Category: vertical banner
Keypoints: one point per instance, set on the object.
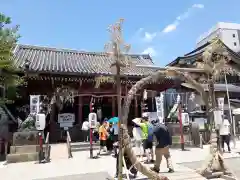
(34, 104)
(221, 104)
(160, 107)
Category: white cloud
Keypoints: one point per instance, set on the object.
(151, 51)
(170, 27)
(173, 26)
(200, 6)
(148, 37)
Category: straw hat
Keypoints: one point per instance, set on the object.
(137, 120)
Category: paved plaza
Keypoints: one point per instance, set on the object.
(80, 167)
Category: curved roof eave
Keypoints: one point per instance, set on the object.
(197, 52)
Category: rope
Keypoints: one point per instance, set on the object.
(137, 162)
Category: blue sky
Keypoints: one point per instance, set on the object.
(165, 29)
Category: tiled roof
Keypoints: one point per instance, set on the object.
(217, 87)
(63, 61)
(197, 53)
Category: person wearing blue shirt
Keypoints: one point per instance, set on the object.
(164, 141)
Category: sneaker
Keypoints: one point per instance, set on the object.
(170, 170)
(154, 169)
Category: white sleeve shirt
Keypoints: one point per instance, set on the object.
(85, 126)
(225, 127)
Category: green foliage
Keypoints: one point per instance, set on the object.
(8, 76)
(28, 124)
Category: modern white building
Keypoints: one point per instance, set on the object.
(229, 33)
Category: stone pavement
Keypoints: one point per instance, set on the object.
(97, 175)
(80, 166)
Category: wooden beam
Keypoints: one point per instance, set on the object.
(172, 68)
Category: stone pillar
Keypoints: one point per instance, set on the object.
(113, 107)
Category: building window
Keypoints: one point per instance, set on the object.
(235, 44)
(234, 35)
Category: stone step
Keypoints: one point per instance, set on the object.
(24, 149)
(23, 157)
(83, 144)
(74, 149)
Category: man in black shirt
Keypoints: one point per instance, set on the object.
(164, 140)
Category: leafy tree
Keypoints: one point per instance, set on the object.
(9, 79)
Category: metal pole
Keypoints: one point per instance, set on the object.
(181, 125)
(230, 112)
(41, 153)
(69, 144)
(90, 133)
(201, 140)
(120, 154)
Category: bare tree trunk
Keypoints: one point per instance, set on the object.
(126, 140)
(214, 161)
(215, 155)
(141, 168)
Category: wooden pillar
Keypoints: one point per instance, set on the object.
(136, 107)
(80, 105)
(113, 106)
(141, 101)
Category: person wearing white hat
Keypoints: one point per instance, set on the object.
(147, 142)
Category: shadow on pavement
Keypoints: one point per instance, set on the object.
(87, 176)
(232, 163)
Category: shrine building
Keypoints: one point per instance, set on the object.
(48, 68)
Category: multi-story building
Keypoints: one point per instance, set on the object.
(229, 33)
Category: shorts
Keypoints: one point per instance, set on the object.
(103, 143)
(147, 144)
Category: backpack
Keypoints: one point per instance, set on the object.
(150, 132)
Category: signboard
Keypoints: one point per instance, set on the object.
(185, 119)
(218, 118)
(160, 107)
(40, 122)
(34, 104)
(63, 125)
(221, 104)
(66, 119)
(92, 117)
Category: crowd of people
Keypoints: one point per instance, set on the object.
(144, 134)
